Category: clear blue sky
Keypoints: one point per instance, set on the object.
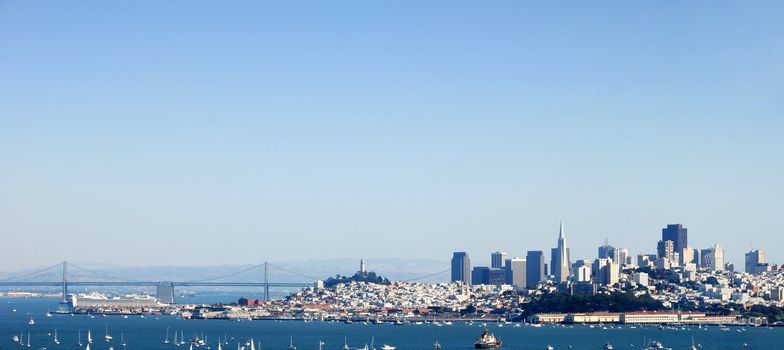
(186, 132)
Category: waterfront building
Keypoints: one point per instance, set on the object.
(560, 263)
(461, 268)
(497, 260)
(677, 234)
(534, 268)
(515, 272)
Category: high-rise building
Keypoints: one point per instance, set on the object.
(560, 264)
(582, 274)
(606, 271)
(483, 275)
(687, 256)
(678, 235)
(480, 275)
(606, 250)
(362, 269)
(461, 268)
(665, 249)
(534, 268)
(497, 260)
(755, 262)
(515, 272)
(713, 258)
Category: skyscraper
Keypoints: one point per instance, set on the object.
(560, 263)
(606, 250)
(497, 260)
(534, 268)
(678, 235)
(461, 268)
(713, 258)
(755, 262)
(515, 272)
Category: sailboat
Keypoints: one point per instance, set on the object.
(291, 344)
(80, 339)
(252, 345)
(345, 343)
(28, 339)
(219, 346)
(107, 337)
(122, 339)
(182, 338)
(88, 347)
(166, 341)
(89, 337)
(55, 340)
(692, 344)
(175, 339)
(321, 344)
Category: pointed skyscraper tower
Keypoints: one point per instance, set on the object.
(561, 271)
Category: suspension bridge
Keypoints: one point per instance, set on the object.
(165, 289)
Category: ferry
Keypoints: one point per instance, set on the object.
(487, 341)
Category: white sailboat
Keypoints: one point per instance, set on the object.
(291, 344)
(89, 337)
(55, 340)
(252, 345)
(219, 346)
(107, 337)
(166, 341)
(122, 339)
(80, 339)
(182, 338)
(175, 339)
(28, 339)
(88, 347)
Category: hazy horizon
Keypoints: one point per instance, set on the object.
(184, 133)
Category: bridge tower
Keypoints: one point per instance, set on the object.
(65, 283)
(266, 281)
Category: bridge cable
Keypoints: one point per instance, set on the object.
(97, 274)
(294, 273)
(32, 274)
(229, 275)
(426, 276)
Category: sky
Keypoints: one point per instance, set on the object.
(197, 133)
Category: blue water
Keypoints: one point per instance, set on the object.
(148, 333)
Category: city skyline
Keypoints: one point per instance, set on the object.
(406, 129)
